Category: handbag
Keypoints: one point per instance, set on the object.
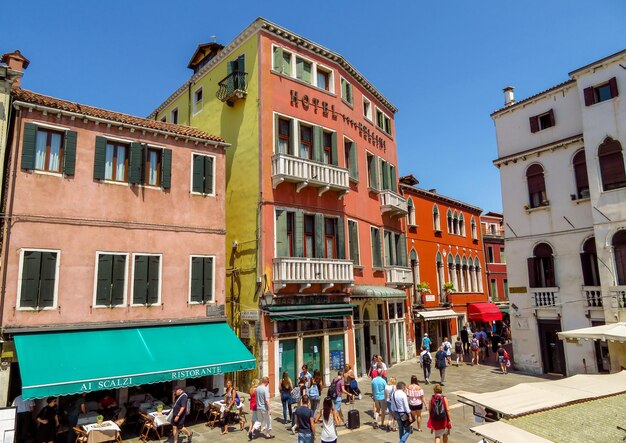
(354, 384)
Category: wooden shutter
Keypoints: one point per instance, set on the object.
(534, 124)
(136, 165)
(585, 263)
(69, 153)
(31, 267)
(140, 280)
(28, 146)
(532, 272)
(230, 68)
(341, 238)
(197, 280)
(103, 286)
(534, 177)
(208, 279)
(613, 87)
(319, 235)
(333, 144)
(376, 248)
(299, 68)
(392, 171)
(402, 250)
(318, 136)
(299, 233)
(580, 171)
(551, 114)
(48, 277)
(619, 252)
(209, 179)
(99, 158)
(282, 240)
(166, 168)
(387, 245)
(589, 95)
(611, 165)
(153, 280)
(119, 280)
(354, 161)
(277, 135)
(197, 175)
(292, 138)
(278, 59)
(353, 239)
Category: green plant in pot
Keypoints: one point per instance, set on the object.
(447, 288)
(423, 287)
(99, 419)
(159, 408)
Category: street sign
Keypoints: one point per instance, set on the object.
(251, 315)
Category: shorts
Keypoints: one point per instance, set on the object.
(416, 407)
(501, 358)
(441, 432)
(389, 406)
(180, 423)
(338, 403)
(381, 406)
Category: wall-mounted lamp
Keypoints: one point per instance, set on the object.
(588, 313)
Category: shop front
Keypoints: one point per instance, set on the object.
(437, 323)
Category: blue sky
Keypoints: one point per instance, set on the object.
(442, 64)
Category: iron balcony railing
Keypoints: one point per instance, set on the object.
(232, 87)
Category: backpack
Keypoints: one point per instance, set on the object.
(295, 395)
(427, 359)
(314, 392)
(438, 409)
(447, 346)
(332, 390)
(474, 345)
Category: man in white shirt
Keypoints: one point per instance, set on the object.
(400, 407)
(24, 417)
(263, 410)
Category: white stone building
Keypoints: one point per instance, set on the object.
(561, 161)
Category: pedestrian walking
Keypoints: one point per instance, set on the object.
(378, 394)
(305, 373)
(439, 421)
(441, 359)
(305, 421)
(231, 403)
(24, 418)
(336, 390)
(502, 358)
(48, 422)
(474, 347)
(465, 339)
(253, 414)
(263, 410)
(482, 340)
(373, 366)
(415, 394)
(402, 411)
(286, 386)
(352, 385)
(314, 390)
(447, 347)
(426, 341)
(389, 390)
(458, 350)
(179, 414)
(426, 361)
(329, 419)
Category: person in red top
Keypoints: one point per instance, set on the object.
(439, 421)
(252, 392)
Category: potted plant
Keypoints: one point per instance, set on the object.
(420, 289)
(159, 408)
(99, 419)
(447, 288)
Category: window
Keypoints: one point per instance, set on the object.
(440, 274)
(541, 267)
(353, 240)
(174, 116)
(502, 256)
(110, 279)
(351, 159)
(328, 148)
(536, 186)
(50, 150)
(323, 78)
(330, 238)
(116, 162)
(38, 279)
(506, 288)
(153, 167)
(377, 261)
(309, 236)
(201, 279)
(395, 249)
(580, 175)
(197, 100)
(282, 61)
(542, 121)
(479, 278)
(411, 215)
(462, 225)
(146, 279)
(436, 219)
(490, 256)
(589, 263)
(415, 266)
(346, 91)
(619, 254)
(372, 172)
(494, 289)
(203, 173)
(367, 109)
(611, 164)
(388, 176)
(304, 69)
(164, 119)
(473, 227)
(306, 142)
(383, 122)
(600, 93)
(284, 136)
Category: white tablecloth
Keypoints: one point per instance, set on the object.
(222, 405)
(96, 433)
(160, 419)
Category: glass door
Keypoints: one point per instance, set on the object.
(287, 358)
(312, 353)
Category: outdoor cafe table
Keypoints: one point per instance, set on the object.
(222, 405)
(88, 418)
(160, 419)
(96, 433)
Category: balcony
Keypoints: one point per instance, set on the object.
(544, 297)
(307, 271)
(618, 297)
(398, 276)
(593, 296)
(392, 203)
(232, 88)
(306, 172)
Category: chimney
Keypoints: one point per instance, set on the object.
(509, 96)
(16, 62)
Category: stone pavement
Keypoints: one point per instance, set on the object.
(483, 378)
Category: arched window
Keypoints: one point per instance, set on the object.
(436, 221)
(440, 277)
(536, 186)
(455, 223)
(580, 174)
(589, 263)
(611, 164)
(462, 225)
(479, 277)
(619, 253)
(452, 272)
(411, 212)
(415, 267)
(541, 267)
(449, 216)
(473, 226)
(458, 273)
(464, 275)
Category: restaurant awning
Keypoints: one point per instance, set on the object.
(483, 312)
(611, 332)
(379, 292)
(438, 314)
(303, 312)
(69, 362)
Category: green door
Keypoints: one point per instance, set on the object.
(287, 355)
(312, 353)
(337, 352)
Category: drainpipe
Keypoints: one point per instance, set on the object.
(189, 102)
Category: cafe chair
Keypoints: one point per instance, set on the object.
(81, 435)
(213, 416)
(198, 406)
(148, 425)
(119, 422)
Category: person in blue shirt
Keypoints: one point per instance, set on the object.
(378, 393)
(426, 342)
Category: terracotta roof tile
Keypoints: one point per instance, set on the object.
(90, 111)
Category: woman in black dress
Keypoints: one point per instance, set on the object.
(47, 422)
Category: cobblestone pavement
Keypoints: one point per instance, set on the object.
(482, 378)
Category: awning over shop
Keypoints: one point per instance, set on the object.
(611, 332)
(501, 431)
(69, 362)
(303, 312)
(438, 314)
(379, 292)
(504, 309)
(483, 312)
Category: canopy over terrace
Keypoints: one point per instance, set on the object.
(610, 332)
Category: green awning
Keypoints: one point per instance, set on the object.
(69, 362)
(303, 312)
(380, 292)
(504, 308)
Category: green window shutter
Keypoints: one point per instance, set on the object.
(119, 280)
(343, 89)
(230, 67)
(140, 280)
(375, 181)
(387, 240)
(392, 170)
(276, 135)
(299, 234)
(299, 69)
(333, 143)
(353, 234)
(376, 247)
(99, 158)
(153, 279)
(197, 268)
(319, 236)
(69, 153)
(28, 146)
(48, 277)
(104, 284)
(386, 171)
(402, 250)
(166, 169)
(341, 239)
(197, 175)
(278, 59)
(240, 80)
(353, 160)
(136, 164)
(31, 267)
(282, 242)
(208, 279)
(293, 143)
(208, 175)
(318, 135)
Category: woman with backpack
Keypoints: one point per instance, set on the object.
(503, 358)
(352, 386)
(329, 419)
(286, 386)
(474, 347)
(439, 421)
(458, 350)
(447, 347)
(415, 395)
(314, 390)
